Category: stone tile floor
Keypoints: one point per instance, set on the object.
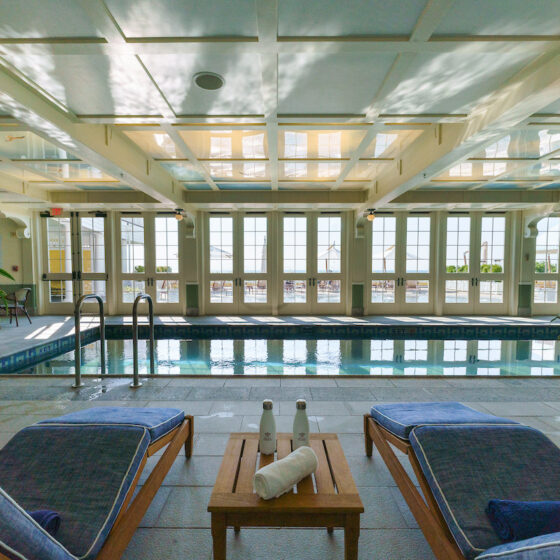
(177, 525)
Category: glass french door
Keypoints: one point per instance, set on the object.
(74, 260)
(312, 262)
(474, 268)
(400, 264)
(149, 261)
(238, 264)
(545, 276)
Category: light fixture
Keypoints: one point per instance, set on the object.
(371, 215)
(178, 214)
(208, 80)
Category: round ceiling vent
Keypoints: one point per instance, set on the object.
(208, 80)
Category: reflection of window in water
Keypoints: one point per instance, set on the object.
(488, 371)
(328, 357)
(221, 357)
(294, 354)
(415, 371)
(382, 350)
(381, 371)
(454, 371)
(489, 350)
(255, 357)
(454, 350)
(415, 350)
(543, 350)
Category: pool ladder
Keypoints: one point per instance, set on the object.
(78, 347)
(136, 381)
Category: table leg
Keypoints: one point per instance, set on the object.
(351, 536)
(219, 536)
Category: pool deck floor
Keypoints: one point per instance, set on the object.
(177, 524)
(46, 328)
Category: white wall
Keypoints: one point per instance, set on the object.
(11, 251)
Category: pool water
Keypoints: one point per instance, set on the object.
(320, 357)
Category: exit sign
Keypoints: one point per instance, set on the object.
(56, 211)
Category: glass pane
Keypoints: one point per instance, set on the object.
(221, 291)
(383, 244)
(295, 291)
(167, 244)
(542, 350)
(546, 291)
(454, 350)
(458, 244)
(132, 245)
(131, 289)
(254, 244)
(492, 244)
(418, 244)
(92, 233)
(295, 245)
(382, 291)
(254, 291)
(221, 245)
(59, 246)
(417, 291)
(328, 244)
(415, 350)
(167, 291)
(60, 291)
(491, 291)
(328, 291)
(98, 287)
(456, 291)
(547, 244)
(382, 350)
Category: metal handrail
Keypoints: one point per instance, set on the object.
(136, 382)
(78, 347)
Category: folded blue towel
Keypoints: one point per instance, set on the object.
(48, 520)
(517, 521)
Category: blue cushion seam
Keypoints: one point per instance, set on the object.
(21, 510)
(117, 494)
(443, 495)
(516, 550)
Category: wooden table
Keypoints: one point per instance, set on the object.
(329, 498)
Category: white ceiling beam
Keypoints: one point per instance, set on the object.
(531, 89)
(13, 185)
(422, 197)
(105, 148)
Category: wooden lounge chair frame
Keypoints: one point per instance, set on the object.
(132, 513)
(422, 505)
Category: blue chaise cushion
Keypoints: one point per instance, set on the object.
(401, 418)
(22, 538)
(158, 421)
(82, 472)
(468, 465)
(545, 547)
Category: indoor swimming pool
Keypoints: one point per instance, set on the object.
(322, 357)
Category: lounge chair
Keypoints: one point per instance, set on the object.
(17, 302)
(462, 459)
(86, 467)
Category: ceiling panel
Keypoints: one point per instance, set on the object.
(452, 82)
(244, 186)
(241, 93)
(300, 143)
(529, 143)
(233, 171)
(19, 173)
(301, 171)
(446, 186)
(71, 171)
(93, 84)
(351, 17)
(502, 17)
(155, 143)
(182, 171)
(390, 144)
(27, 145)
(366, 170)
(329, 83)
(538, 172)
(44, 18)
(184, 18)
(477, 170)
(225, 144)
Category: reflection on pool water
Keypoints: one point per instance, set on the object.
(321, 357)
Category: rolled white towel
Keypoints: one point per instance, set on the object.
(280, 477)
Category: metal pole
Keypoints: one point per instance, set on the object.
(77, 347)
(152, 357)
(102, 337)
(135, 381)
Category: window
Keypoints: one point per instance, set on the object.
(328, 244)
(221, 244)
(458, 244)
(295, 144)
(547, 245)
(461, 170)
(383, 244)
(220, 147)
(98, 287)
(131, 289)
(254, 244)
(254, 291)
(295, 245)
(489, 350)
(382, 350)
(60, 246)
(92, 234)
(382, 143)
(253, 146)
(382, 291)
(454, 350)
(545, 291)
(294, 169)
(167, 291)
(254, 170)
(221, 169)
(548, 142)
(132, 246)
(328, 170)
(492, 244)
(542, 350)
(417, 244)
(295, 291)
(328, 291)
(329, 144)
(417, 291)
(456, 291)
(221, 291)
(491, 291)
(415, 350)
(167, 245)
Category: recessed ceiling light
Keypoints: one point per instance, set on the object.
(208, 80)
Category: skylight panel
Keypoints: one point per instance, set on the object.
(493, 168)
(253, 146)
(328, 170)
(220, 147)
(221, 169)
(548, 142)
(382, 142)
(499, 149)
(330, 145)
(294, 169)
(295, 144)
(461, 170)
(253, 170)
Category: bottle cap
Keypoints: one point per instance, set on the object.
(267, 404)
(301, 404)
